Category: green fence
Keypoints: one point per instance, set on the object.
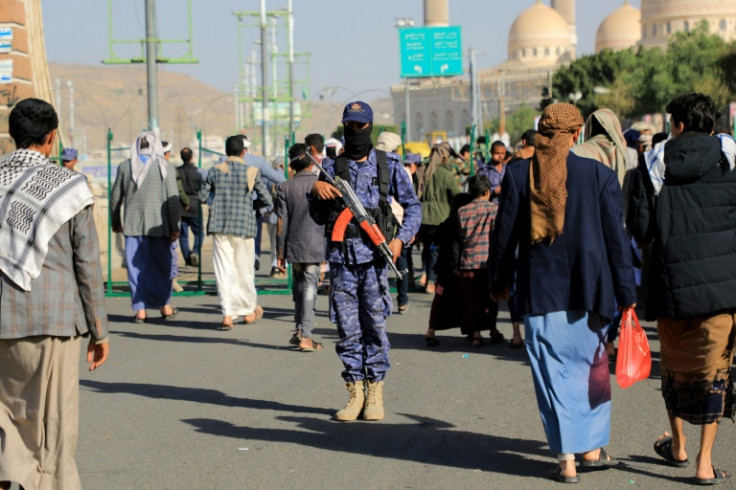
(199, 286)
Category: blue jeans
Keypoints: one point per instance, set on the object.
(259, 236)
(196, 225)
(402, 285)
(304, 293)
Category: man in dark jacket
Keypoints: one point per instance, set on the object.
(691, 223)
(564, 212)
(191, 217)
(302, 242)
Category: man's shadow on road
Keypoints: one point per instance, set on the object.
(423, 440)
(198, 395)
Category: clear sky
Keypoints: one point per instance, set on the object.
(354, 44)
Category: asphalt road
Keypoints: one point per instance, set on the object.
(183, 405)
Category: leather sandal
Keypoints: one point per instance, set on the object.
(604, 461)
(719, 476)
(258, 315)
(315, 345)
(663, 447)
(559, 477)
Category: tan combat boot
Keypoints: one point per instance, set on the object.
(374, 402)
(355, 403)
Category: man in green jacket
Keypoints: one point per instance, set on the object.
(436, 190)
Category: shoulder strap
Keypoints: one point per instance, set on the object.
(341, 168)
(383, 175)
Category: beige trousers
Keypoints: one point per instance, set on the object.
(39, 412)
(234, 264)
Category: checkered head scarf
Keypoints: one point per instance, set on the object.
(548, 170)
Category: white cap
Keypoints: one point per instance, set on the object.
(334, 142)
(246, 141)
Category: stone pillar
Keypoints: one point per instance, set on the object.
(436, 13)
(24, 70)
(567, 9)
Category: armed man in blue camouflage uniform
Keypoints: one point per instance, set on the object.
(359, 293)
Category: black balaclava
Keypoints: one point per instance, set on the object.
(358, 142)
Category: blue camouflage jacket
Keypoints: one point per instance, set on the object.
(364, 180)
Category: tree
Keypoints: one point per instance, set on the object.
(642, 81)
(585, 74)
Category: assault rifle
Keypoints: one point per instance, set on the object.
(355, 210)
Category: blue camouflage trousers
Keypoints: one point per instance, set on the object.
(360, 301)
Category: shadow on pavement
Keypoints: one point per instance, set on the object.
(423, 440)
(198, 395)
(178, 338)
(626, 464)
(453, 341)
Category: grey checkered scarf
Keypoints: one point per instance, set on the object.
(36, 198)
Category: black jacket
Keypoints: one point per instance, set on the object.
(692, 224)
(192, 183)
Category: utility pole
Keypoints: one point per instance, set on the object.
(474, 113)
(269, 95)
(264, 77)
(290, 21)
(275, 82)
(151, 68)
(236, 108)
(58, 100)
(502, 105)
(70, 86)
(407, 109)
(150, 55)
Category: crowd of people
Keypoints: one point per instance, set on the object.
(577, 224)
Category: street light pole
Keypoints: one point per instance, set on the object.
(401, 23)
(291, 67)
(70, 86)
(474, 119)
(407, 109)
(151, 68)
(264, 77)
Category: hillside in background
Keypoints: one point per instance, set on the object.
(115, 97)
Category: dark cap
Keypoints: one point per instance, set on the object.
(68, 154)
(414, 158)
(357, 111)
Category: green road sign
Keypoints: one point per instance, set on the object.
(431, 51)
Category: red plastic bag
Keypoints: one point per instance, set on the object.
(634, 361)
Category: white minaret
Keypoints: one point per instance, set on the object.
(567, 9)
(436, 13)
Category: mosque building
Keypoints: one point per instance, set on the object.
(542, 39)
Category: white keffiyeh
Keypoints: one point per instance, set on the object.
(36, 198)
(139, 158)
(655, 159)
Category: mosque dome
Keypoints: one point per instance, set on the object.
(620, 30)
(660, 19)
(662, 9)
(539, 34)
